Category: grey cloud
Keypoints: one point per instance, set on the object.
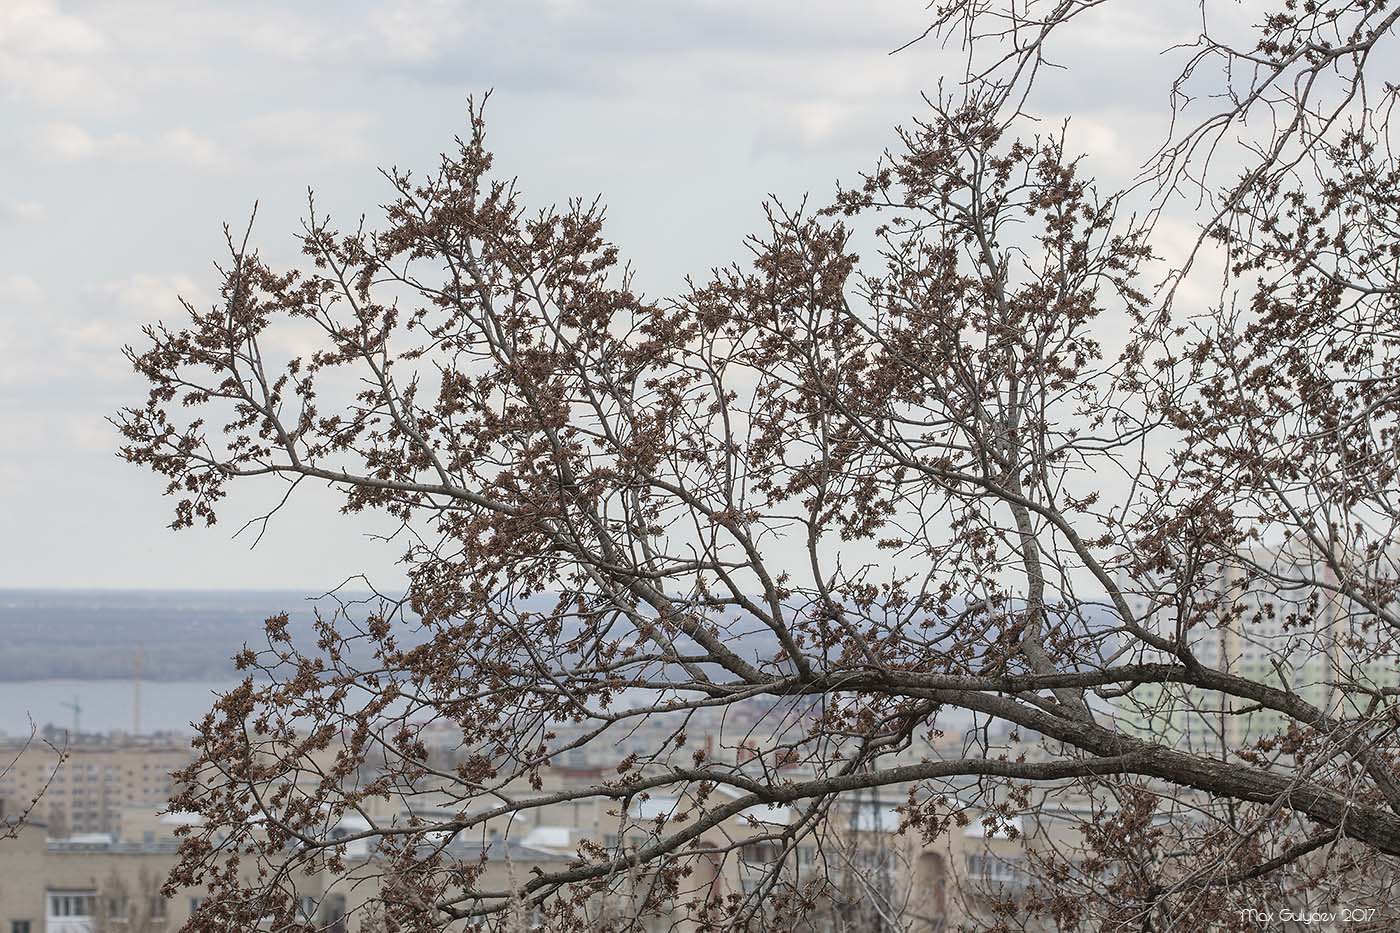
(592, 48)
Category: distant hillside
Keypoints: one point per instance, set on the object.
(193, 635)
(94, 634)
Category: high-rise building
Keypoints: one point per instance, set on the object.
(1284, 625)
(86, 784)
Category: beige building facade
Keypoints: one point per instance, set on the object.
(92, 884)
(86, 786)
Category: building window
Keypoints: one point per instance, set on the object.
(115, 907)
(71, 903)
(762, 853)
(995, 870)
(20, 926)
(155, 907)
(335, 914)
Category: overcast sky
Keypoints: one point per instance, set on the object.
(134, 129)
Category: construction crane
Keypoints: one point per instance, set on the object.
(77, 711)
(136, 689)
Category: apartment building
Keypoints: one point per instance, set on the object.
(1292, 632)
(92, 883)
(96, 883)
(88, 782)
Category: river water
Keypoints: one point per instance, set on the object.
(106, 705)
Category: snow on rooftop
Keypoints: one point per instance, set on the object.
(550, 837)
(89, 839)
(654, 806)
(872, 820)
(780, 815)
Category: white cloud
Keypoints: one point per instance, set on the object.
(66, 141)
(284, 37)
(19, 288)
(316, 134)
(817, 121)
(91, 432)
(1114, 145)
(154, 296)
(91, 341)
(185, 145)
(49, 55)
(412, 32)
(1140, 29)
(138, 299)
(71, 143)
(25, 210)
(95, 334)
(40, 28)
